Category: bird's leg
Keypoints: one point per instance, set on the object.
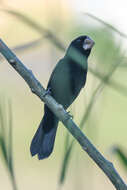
(48, 91)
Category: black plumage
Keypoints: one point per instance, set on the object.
(65, 83)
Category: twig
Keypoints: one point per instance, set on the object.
(107, 25)
(40, 29)
(63, 116)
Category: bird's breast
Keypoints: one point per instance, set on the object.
(66, 82)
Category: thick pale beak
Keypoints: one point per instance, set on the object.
(88, 43)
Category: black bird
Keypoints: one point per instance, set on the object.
(65, 83)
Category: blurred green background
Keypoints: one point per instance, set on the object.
(36, 30)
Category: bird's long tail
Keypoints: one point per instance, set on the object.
(44, 138)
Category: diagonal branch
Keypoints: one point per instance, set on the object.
(64, 117)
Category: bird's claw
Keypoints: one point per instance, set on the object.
(48, 91)
(71, 116)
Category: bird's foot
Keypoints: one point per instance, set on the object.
(48, 91)
(71, 116)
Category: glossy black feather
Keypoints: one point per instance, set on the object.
(66, 81)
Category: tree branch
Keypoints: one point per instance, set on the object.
(64, 117)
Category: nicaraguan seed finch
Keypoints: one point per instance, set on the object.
(65, 83)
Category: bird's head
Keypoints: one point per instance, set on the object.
(82, 44)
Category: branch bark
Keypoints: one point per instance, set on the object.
(64, 117)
